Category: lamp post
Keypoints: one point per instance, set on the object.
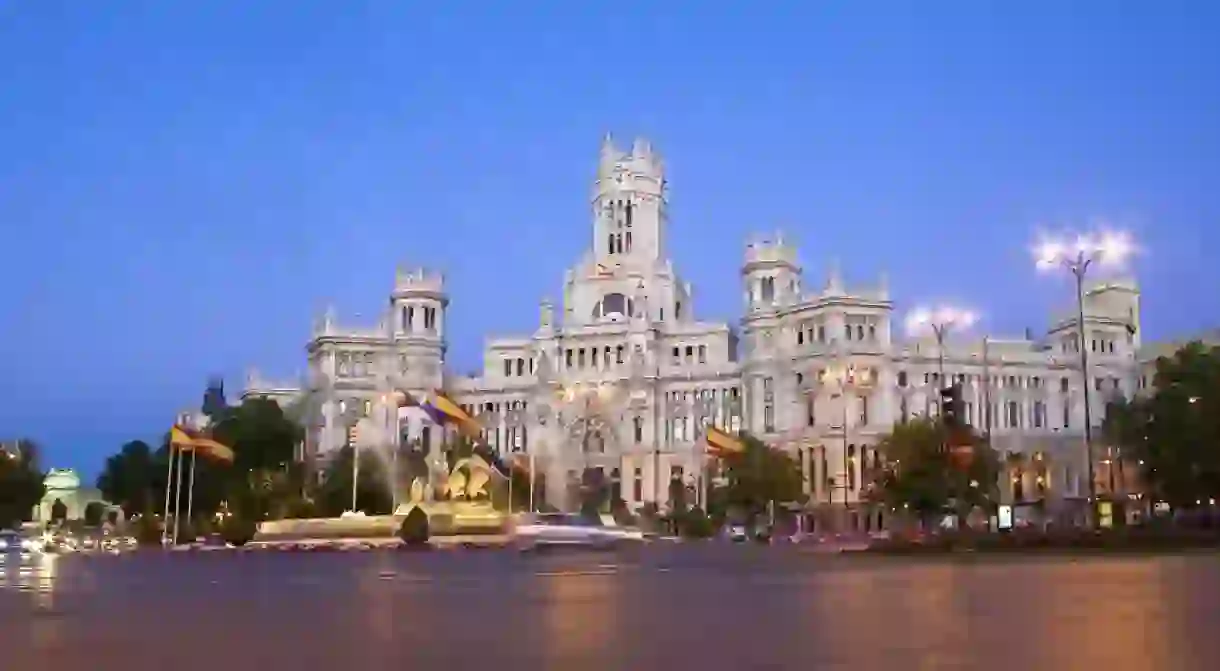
(847, 379)
(514, 424)
(349, 413)
(1078, 257)
(940, 321)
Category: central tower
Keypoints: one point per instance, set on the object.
(629, 206)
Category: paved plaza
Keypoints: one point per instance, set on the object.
(658, 607)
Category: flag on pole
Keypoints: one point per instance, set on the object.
(443, 411)
(721, 443)
(189, 441)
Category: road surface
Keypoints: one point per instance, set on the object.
(659, 607)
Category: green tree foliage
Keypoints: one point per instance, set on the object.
(922, 476)
(694, 523)
(262, 437)
(94, 512)
(759, 476)
(263, 481)
(133, 480)
(1175, 431)
(334, 495)
(21, 482)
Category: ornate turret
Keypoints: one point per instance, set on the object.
(771, 273)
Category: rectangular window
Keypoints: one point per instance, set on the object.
(638, 486)
(508, 367)
(703, 354)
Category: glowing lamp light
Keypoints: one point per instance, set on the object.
(1107, 248)
(939, 319)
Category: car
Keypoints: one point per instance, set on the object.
(736, 533)
(561, 529)
(13, 541)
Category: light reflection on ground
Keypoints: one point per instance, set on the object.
(707, 607)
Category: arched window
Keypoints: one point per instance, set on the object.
(611, 305)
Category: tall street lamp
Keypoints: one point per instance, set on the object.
(1078, 257)
(940, 321)
(847, 380)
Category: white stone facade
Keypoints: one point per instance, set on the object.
(619, 373)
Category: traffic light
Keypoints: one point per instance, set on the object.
(951, 406)
(353, 434)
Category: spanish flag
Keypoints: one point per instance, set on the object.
(185, 440)
(452, 413)
(408, 400)
(721, 442)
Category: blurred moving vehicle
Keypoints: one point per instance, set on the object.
(14, 541)
(561, 529)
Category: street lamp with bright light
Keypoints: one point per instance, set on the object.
(939, 321)
(1078, 256)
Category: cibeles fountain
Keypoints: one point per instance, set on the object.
(573, 425)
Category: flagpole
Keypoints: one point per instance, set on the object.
(190, 488)
(355, 474)
(533, 482)
(178, 496)
(169, 478)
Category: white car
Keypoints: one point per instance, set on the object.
(560, 529)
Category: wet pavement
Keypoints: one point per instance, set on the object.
(660, 607)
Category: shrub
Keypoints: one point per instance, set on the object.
(186, 532)
(148, 530)
(694, 523)
(237, 531)
(414, 531)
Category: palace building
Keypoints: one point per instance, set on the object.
(621, 374)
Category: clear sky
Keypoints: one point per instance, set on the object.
(185, 185)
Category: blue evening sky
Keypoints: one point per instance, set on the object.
(184, 185)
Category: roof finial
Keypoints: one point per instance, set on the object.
(834, 278)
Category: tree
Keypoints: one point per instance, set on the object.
(262, 437)
(21, 483)
(334, 495)
(1175, 432)
(94, 512)
(923, 476)
(132, 480)
(59, 511)
(264, 478)
(758, 477)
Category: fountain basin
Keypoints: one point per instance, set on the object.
(445, 519)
